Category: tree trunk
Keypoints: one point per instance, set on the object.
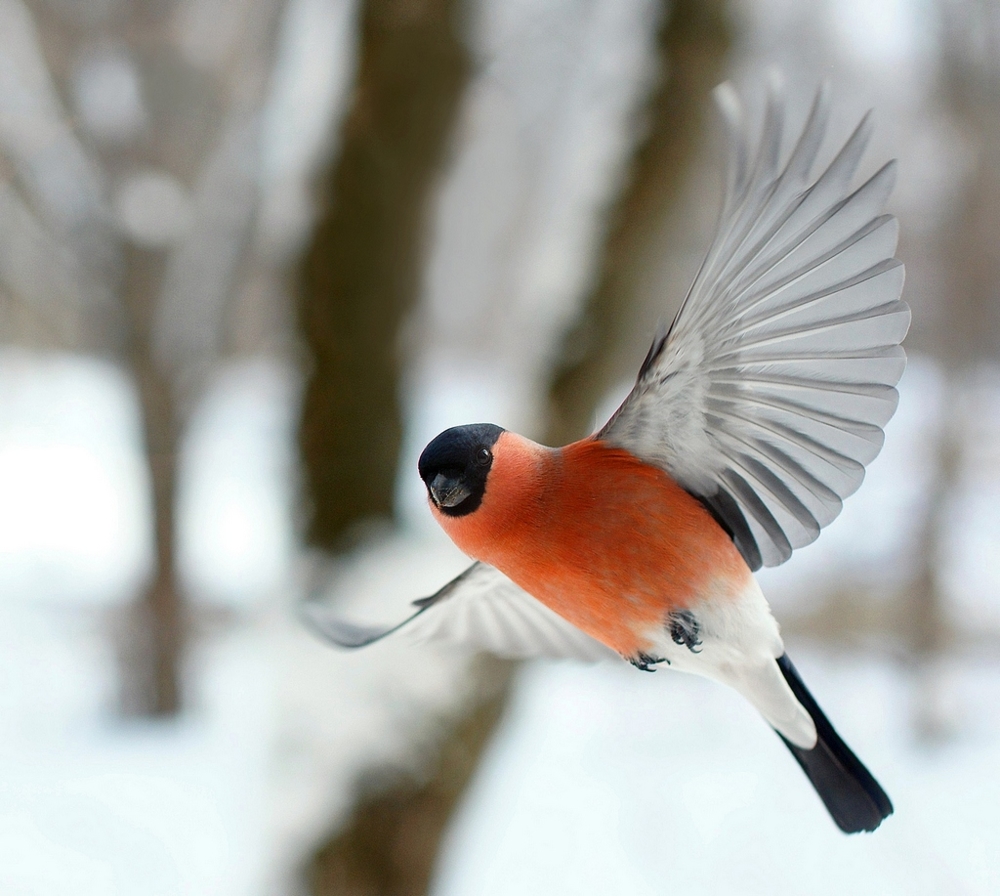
(362, 272)
(188, 110)
(391, 845)
(151, 643)
(962, 328)
(360, 278)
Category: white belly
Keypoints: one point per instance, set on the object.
(739, 643)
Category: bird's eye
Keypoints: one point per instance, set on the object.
(484, 457)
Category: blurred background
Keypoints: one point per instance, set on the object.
(255, 253)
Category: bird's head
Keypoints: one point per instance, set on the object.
(456, 465)
(481, 483)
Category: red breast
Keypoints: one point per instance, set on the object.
(610, 543)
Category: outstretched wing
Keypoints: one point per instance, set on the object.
(767, 396)
(481, 608)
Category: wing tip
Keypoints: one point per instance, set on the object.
(317, 617)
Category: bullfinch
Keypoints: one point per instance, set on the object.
(752, 418)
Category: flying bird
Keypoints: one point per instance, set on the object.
(752, 418)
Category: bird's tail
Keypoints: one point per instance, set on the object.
(851, 795)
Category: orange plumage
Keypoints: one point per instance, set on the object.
(608, 542)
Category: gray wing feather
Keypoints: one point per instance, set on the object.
(482, 609)
(767, 396)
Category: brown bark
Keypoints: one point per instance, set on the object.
(152, 637)
(360, 278)
(362, 272)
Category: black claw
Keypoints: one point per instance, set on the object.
(646, 662)
(685, 629)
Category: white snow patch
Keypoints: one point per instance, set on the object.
(236, 498)
(73, 487)
(604, 781)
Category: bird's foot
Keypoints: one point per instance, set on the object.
(646, 662)
(685, 630)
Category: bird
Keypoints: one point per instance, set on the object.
(752, 418)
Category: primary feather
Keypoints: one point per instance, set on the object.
(767, 396)
(486, 611)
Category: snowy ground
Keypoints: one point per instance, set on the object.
(602, 780)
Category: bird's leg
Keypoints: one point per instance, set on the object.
(646, 662)
(685, 629)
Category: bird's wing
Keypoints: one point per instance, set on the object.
(481, 608)
(767, 396)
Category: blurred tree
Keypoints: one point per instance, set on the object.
(128, 217)
(391, 844)
(361, 276)
(964, 327)
(362, 272)
(967, 325)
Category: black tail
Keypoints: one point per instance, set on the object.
(852, 796)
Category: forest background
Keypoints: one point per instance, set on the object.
(255, 253)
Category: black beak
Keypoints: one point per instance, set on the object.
(448, 491)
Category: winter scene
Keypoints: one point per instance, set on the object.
(256, 255)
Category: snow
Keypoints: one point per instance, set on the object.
(602, 780)
(236, 497)
(138, 810)
(73, 505)
(227, 798)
